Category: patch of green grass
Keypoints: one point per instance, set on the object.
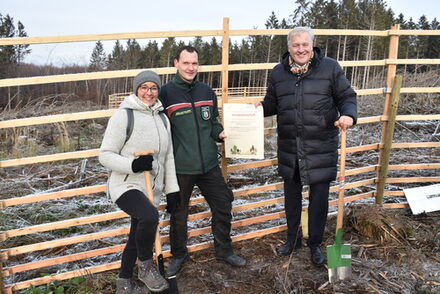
(56, 287)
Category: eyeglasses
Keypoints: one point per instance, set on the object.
(152, 89)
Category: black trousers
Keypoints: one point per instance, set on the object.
(144, 222)
(219, 197)
(318, 209)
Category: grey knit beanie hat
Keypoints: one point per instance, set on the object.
(145, 76)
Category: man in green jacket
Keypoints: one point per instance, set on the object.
(192, 109)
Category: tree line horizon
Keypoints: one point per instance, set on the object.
(317, 14)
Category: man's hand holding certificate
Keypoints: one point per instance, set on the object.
(244, 126)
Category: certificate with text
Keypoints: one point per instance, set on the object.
(244, 126)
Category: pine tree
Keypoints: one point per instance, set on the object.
(271, 23)
(433, 50)
(132, 56)
(150, 55)
(98, 60)
(115, 59)
(197, 43)
(11, 56)
(299, 16)
(167, 53)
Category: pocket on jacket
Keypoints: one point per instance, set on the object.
(330, 117)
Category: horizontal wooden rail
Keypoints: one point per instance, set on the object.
(395, 205)
(414, 166)
(22, 122)
(418, 117)
(253, 164)
(63, 276)
(370, 119)
(360, 170)
(356, 184)
(108, 37)
(107, 113)
(363, 148)
(414, 32)
(348, 199)
(416, 145)
(177, 34)
(39, 80)
(394, 193)
(275, 186)
(50, 158)
(95, 152)
(412, 180)
(62, 224)
(54, 118)
(61, 259)
(417, 90)
(54, 195)
(204, 33)
(377, 91)
(6, 253)
(413, 61)
(87, 190)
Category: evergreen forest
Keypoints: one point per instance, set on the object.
(318, 14)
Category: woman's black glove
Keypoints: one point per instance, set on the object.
(173, 202)
(142, 163)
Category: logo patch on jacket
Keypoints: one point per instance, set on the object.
(206, 113)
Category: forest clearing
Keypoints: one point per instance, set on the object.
(393, 250)
(60, 233)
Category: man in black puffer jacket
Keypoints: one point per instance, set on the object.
(308, 92)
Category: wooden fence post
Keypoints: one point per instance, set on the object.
(391, 73)
(2, 284)
(225, 82)
(386, 151)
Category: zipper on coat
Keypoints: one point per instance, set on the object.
(198, 134)
(158, 153)
(300, 126)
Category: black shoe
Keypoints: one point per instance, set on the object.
(176, 264)
(234, 260)
(288, 248)
(317, 256)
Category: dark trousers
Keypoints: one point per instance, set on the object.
(318, 209)
(219, 197)
(144, 221)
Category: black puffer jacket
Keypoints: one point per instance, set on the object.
(307, 106)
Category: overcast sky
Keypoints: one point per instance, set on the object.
(58, 17)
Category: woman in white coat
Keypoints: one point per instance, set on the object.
(126, 184)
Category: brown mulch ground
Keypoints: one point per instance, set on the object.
(399, 254)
